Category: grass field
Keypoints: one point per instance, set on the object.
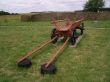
(88, 62)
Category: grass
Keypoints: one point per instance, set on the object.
(88, 62)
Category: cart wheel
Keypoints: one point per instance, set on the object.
(73, 38)
(82, 28)
(53, 35)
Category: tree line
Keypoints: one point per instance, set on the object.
(7, 13)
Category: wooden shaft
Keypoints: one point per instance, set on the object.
(57, 21)
(36, 49)
(57, 53)
(57, 26)
(79, 20)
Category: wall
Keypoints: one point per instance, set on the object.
(70, 15)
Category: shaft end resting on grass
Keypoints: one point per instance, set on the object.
(25, 62)
(49, 68)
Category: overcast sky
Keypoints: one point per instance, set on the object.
(24, 6)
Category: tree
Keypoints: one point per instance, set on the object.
(4, 13)
(94, 5)
(7, 13)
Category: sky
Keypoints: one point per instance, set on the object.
(25, 6)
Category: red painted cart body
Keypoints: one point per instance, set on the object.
(67, 29)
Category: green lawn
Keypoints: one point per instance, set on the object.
(88, 62)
